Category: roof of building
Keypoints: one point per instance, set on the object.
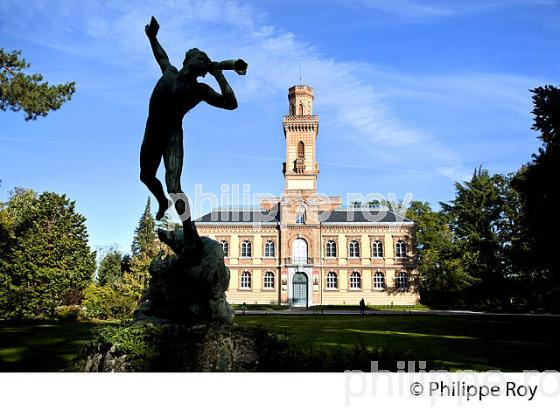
(241, 216)
(337, 216)
(364, 215)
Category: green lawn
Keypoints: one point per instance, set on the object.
(457, 342)
(37, 346)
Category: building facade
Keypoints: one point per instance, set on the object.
(303, 248)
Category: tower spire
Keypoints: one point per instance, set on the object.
(300, 74)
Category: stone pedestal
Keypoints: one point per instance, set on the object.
(188, 287)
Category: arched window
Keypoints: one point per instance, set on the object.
(332, 280)
(377, 249)
(354, 249)
(269, 280)
(292, 109)
(401, 281)
(301, 109)
(379, 281)
(300, 150)
(245, 280)
(269, 249)
(355, 280)
(299, 251)
(400, 249)
(331, 249)
(225, 248)
(246, 249)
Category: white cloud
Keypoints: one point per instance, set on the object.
(430, 9)
(346, 95)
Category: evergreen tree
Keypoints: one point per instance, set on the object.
(110, 268)
(476, 216)
(539, 192)
(144, 234)
(46, 259)
(28, 92)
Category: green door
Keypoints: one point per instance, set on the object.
(299, 294)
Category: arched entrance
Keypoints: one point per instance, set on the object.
(299, 293)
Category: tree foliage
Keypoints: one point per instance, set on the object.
(28, 92)
(110, 268)
(46, 259)
(144, 234)
(538, 189)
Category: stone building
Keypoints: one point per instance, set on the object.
(302, 248)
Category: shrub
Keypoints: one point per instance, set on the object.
(68, 313)
(105, 302)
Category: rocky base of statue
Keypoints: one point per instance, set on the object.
(214, 347)
(188, 287)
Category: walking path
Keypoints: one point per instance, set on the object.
(318, 311)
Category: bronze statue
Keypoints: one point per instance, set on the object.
(190, 285)
(175, 94)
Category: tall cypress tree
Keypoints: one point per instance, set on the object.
(144, 234)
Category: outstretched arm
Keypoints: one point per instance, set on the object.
(159, 53)
(225, 100)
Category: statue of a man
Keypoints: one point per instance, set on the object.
(175, 94)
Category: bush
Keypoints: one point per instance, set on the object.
(69, 313)
(104, 302)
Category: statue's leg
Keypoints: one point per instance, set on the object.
(173, 161)
(150, 158)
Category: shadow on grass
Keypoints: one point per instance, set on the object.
(455, 342)
(40, 346)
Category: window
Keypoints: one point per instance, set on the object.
(246, 280)
(355, 280)
(269, 280)
(300, 150)
(377, 249)
(301, 109)
(354, 249)
(400, 250)
(379, 280)
(246, 249)
(332, 280)
(225, 248)
(269, 249)
(300, 218)
(331, 249)
(401, 281)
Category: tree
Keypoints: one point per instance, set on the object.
(28, 92)
(443, 267)
(145, 246)
(144, 234)
(538, 189)
(110, 268)
(478, 216)
(46, 259)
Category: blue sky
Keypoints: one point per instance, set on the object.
(412, 95)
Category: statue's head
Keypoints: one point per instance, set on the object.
(196, 62)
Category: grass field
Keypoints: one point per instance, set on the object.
(37, 346)
(455, 342)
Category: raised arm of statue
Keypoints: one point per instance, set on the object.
(226, 99)
(159, 53)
